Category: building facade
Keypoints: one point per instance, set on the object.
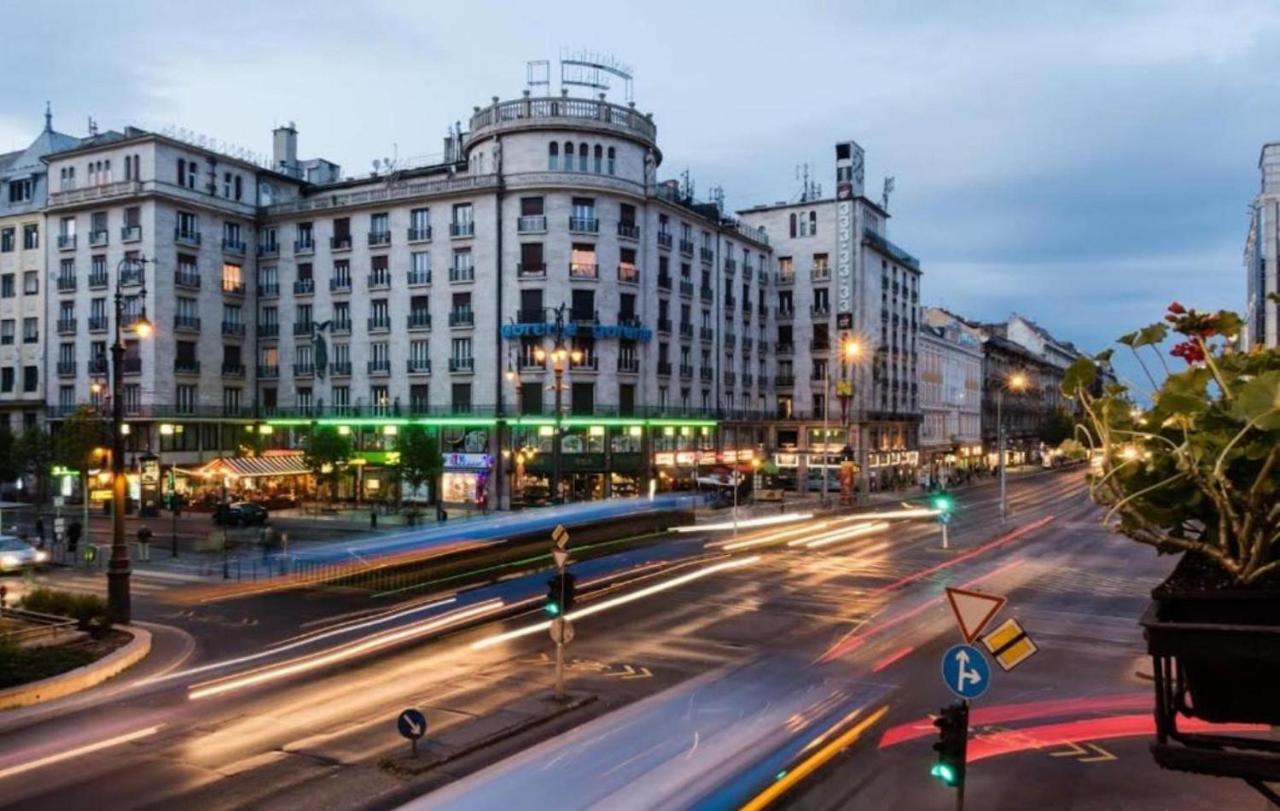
(951, 385)
(23, 281)
(1261, 259)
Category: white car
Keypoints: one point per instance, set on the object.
(16, 555)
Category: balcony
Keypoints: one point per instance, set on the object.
(418, 366)
(531, 315)
(706, 375)
(731, 266)
(98, 279)
(66, 326)
(628, 274)
(379, 367)
(532, 224)
(98, 365)
(419, 278)
(706, 293)
(233, 329)
(378, 239)
(820, 310)
(419, 234)
(583, 316)
(628, 230)
(132, 366)
(819, 345)
(340, 326)
(628, 365)
(784, 314)
(231, 369)
(66, 242)
(133, 274)
(707, 255)
(66, 284)
(131, 233)
(686, 370)
(764, 278)
(186, 366)
(379, 323)
(271, 249)
(462, 273)
(233, 246)
(304, 246)
(379, 280)
(66, 368)
(589, 363)
(783, 381)
(664, 281)
(268, 372)
(340, 368)
(730, 379)
(186, 237)
(529, 363)
(268, 330)
(458, 230)
(184, 322)
(304, 370)
(628, 320)
(686, 247)
(340, 243)
(531, 271)
(340, 284)
(98, 323)
(729, 302)
(420, 320)
(786, 279)
(581, 271)
(785, 348)
(664, 240)
(730, 341)
(304, 328)
(686, 330)
(821, 273)
(304, 287)
(99, 238)
(707, 334)
(664, 325)
(686, 288)
(462, 318)
(664, 368)
(462, 365)
(584, 225)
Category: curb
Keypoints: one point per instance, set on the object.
(82, 678)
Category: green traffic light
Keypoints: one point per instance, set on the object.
(944, 773)
(942, 503)
(552, 609)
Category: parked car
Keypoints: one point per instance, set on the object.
(17, 555)
(240, 513)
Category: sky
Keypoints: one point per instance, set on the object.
(1082, 164)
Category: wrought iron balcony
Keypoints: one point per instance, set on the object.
(418, 278)
(99, 238)
(420, 234)
(304, 287)
(131, 233)
(628, 230)
(532, 224)
(584, 225)
(462, 229)
(419, 320)
(379, 238)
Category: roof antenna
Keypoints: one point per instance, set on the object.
(48, 117)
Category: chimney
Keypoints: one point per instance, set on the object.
(285, 149)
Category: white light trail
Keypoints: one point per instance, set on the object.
(83, 750)
(772, 537)
(344, 652)
(845, 535)
(764, 521)
(623, 599)
(916, 512)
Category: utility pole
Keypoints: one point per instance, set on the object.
(560, 598)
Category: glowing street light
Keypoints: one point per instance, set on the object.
(1018, 382)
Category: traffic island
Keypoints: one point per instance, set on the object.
(65, 669)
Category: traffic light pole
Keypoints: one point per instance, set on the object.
(560, 644)
(945, 544)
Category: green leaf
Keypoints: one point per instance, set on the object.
(1184, 393)
(1259, 399)
(1079, 375)
(1104, 356)
(1151, 335)
(1229, 324)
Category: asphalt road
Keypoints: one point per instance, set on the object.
(705, 692)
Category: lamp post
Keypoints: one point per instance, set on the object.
(850, 351)
(1016, 383)
(118, 571)
(559, 354)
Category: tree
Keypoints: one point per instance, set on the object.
(77, 441)
(1057, 428)
(325, 448)
(419, 458)
(10, 469)
(34, 452)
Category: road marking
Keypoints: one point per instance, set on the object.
(1096, 753)
(83, 750)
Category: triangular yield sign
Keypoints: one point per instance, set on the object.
(973, 610)
(561, 557)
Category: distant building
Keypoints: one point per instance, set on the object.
(950, 395)
(1262, 315)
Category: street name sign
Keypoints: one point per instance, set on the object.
(1009, 645)
(965, 671)
(973, 610)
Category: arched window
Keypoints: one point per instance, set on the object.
(793, 225)
(612, 157)
(813, 223)
(553, 156)
(568, 156)
(582, 157)
(599, 162)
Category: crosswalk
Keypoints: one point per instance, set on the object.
(142, 581)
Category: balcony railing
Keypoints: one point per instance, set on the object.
(628, 230)
(304, 246)
(467, 365)
(418, 278)
(784, 279)
(268, 330)
(379, 323)
(231, 369)
(686, 287)
(664, 281)
(132, 275)
(186, 237)
(786, 348)
(664, 240)
(269, 249)
(820, 310)
(98, 280)
(183, 366)
(686, 330)
(340, 368)
(419, 320)
(686, 370)
(706, 293)
(340, 284)
(304, 328)
(379, 238)
(706, 374)
(686, 247)
(532, 270)
(706, 333)
(304, 370)
(664, 325)
(707, 255)
(584, 225)
(462, 273)
(99, 238)
(131, 233)
(233, 245)
(629, 365)
(132, 366)
(821, 273)
(66, 326)
(730, 266)
(531, 315)
(66, 284)
(820, 345)
(421, 234)
(304, 287)
(379, 367)
(784, 381)
(269, 290)
(98, 323)
(379, 279)
(462, 318)
(66, 368)
(784, 314)
(628, 274)
(583, 316)
(462, 229)
(66, 242)
(580, 270)
(184, 322)
(532, 224)
(233, 328)
(418, 366)
(342, 243)
(664, 368)
(268, 372)
(589, 363)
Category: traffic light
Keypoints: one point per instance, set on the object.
(561, 594)
(943, 503)
(953, 742)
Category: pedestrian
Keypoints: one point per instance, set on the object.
(73, 537)
(144, 544)
(40, 531)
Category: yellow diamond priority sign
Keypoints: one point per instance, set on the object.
(1009, 645)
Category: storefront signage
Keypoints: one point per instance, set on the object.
(468, 461)
(844, 258)
(598, 331)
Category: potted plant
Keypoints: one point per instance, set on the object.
(1196, 472)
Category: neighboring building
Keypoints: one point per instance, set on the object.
(840, 279)
(951, 385)
(1261, 262)
(23, 281)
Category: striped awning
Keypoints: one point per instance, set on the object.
(248, 467)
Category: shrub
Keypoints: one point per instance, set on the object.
(88, 610)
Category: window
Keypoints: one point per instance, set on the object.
(420, 267)
(461, 398)
(611, 160)
(20, 190)
(188, 225)
(380, 398)
(306, 236)
(7, 327)
(341, 233)
(231, 314)
(419, 398)
(231, 400)
(31, 330)
(419, 355)
(239, 187)
(553, 157)
(304, 272)
(531, 262)
(67, 228)
(626, 214)
(813, 223)
(187, 173)
(531, 206)
(7, 240)
(420, 223)
(232, 278)
(30, 237)
(380, 224)
(582, 261)
(30, 378)
(582, 157)
(31, 281)
(598, 165)
(303, 399)
(341, 397)
(185, 399)
(463, 224)
(342, 315)
(6, 379)
(583, 399)
(627, 265)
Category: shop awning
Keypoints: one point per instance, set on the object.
(248, 467)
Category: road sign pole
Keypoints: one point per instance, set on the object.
(960, 788)
(560, 649)
(945, 544)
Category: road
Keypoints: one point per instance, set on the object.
(706, 693)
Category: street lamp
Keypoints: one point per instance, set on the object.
(850, 353)
(118, 570)
(1017, 383)
(559, 354)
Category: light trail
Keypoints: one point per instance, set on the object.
(815, 761)
(1001, 541)
(914, 512)
(623, 599)
(842, 535)
(344, 652)
(77, 752)
(772, 537)
(1007, 742)
(306, 639)
(891, 658)
(765, 521)
(1027, 711)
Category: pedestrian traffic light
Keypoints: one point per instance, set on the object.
(561, 594)
(953, 740)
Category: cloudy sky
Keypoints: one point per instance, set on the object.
(1083, 166)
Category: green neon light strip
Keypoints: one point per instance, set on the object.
(519, 421)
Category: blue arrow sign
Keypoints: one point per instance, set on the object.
(412, 724)
(965, 671)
